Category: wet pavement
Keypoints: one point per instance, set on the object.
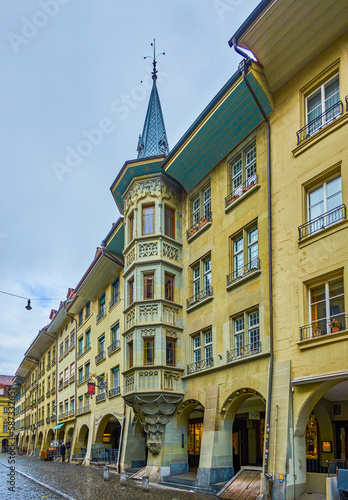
(77, 482)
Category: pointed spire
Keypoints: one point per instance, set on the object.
(153, 140)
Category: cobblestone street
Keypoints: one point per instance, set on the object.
(76, 482)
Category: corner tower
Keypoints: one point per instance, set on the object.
(153, 322)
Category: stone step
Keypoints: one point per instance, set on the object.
(179, 480)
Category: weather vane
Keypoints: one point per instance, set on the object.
(154, 61)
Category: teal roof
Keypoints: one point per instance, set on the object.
(130, 170)
(225, 122)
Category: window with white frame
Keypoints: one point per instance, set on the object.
(201, 205)
(116, 377)
(245, 249)
(326, 307)
(243, 170)
(322, 105)
(201, 281)
(324, 204)
(197, 348)
(246, 328)
(202, 351)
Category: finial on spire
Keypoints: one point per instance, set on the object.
(154, 61)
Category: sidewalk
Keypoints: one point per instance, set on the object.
(77, 482)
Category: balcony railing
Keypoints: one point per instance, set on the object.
(100, 356)
(115, 345)
(251, 266)
(83, 379)
(48, 366)
(200, 365)
(240, 190)
(48, 393)
(66, 351)
(66, 382)
(41, 422)
(320, 121)
(100, 397)
(324, 326)
(87, 346)
(48, 420)
(71, 379)
(72, 412)
(101, 314)
(84, 409)
(208, 217)
(53, 391)
(244, 351)
(325, 220)
(114, 391)
(114, 300)
(198, 297)
(53, 362)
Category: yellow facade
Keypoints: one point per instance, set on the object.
(204, 353)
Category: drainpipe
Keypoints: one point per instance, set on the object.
(243, 66)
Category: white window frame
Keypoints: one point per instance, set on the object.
(243, 168)
(329, 219)
(328, 317)
(321, 89)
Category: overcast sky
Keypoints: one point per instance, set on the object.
(70, 67)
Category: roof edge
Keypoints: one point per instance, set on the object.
(249, 20)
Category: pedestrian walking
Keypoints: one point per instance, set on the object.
(68, 446)
(62, 451)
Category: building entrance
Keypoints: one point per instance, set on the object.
(247, 439)
(194, 439)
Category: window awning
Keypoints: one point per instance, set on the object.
(58, 426)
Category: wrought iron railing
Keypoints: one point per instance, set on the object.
(53, 391)
(114, 391)
(100, 356)
(48, 366)
(71, 379)
(244, 351)
(84, 409)
(314, 465)
(253, 265)
(101, 314)
(200, 365)
(115, 345)
(322, 221)
(53, 362)
(198, 297)
(48, 420)
(324, 326)
(240, 190)
(66, 351)
(114, 299)
(320, 121)
(208, 217)
(87, 346)
(66, 382)
(100, 397)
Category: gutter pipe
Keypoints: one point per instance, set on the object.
(242, 66)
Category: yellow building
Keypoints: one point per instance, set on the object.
(211, 323)
(307, 73)
(6, 413)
